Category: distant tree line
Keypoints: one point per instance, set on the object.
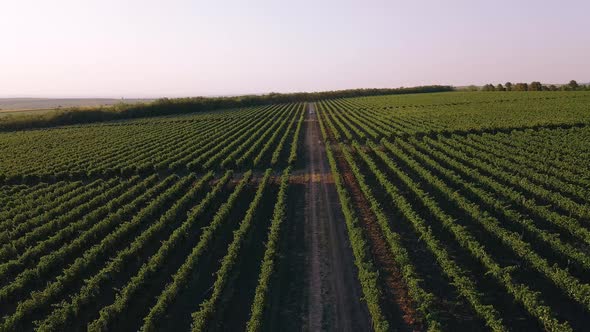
(536, 86)
(166, 106)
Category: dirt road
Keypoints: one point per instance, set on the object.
(333, 291)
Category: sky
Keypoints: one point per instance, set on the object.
(174, 48)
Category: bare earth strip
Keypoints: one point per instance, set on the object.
(333, 290)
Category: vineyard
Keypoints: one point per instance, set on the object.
(145, 224)
(439, 211)
(476, 208)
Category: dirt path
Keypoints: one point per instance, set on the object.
(333, 291)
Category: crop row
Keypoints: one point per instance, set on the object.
(93, 272)
(82, 151)
(473, 177)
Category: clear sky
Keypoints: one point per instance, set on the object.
(149, 48)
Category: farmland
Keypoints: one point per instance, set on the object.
(435, 211)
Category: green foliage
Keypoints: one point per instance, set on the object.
(295, 141)
(490, 188)
(158, 260)
(70, 274)
(167, 106)
(181, 277)
(270, 254)
(453, 113)
(488, 87)
(521, 292)
(425, 301)
(533, 86)
(235, 139)
(521, 87)
(209, 306)
(476, 174)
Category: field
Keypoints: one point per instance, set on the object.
(11, 105)
(437, 211)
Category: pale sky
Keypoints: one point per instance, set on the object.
(154, 48)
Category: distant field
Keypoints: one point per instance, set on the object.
(458, 211)
(25, 111)
(36, 105)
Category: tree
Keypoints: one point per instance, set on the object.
(552, 87)
(521, 87)
(573, 85)
(535, 86)
(488, 87)
(508, 86)
(500, 87)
